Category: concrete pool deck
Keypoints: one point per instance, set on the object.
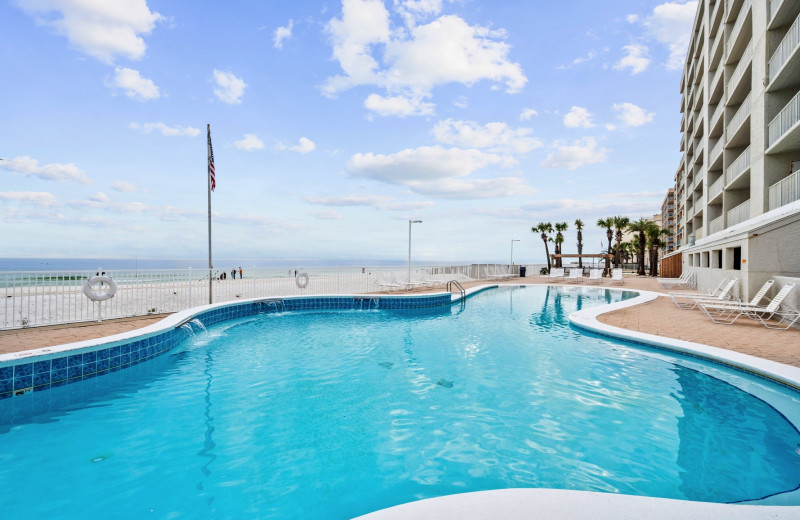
(660, 317)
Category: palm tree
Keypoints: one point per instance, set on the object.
(544, 228)
(640, 226)
(654, 234)
(608, 224)
(560, 228)
(619, 223)
(579, 227)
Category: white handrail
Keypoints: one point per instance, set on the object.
(739, 23)
(739, 214)
(738, 118)
(716, 188)
(785, 119)
(787, 46)
(741, 67)
(785, 191)
(715, 225)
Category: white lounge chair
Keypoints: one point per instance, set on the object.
(556, 274)
(575, 275)
(710, 293)
(686, 301)
(595, 276)
(686, 281)
(728, 313)
(616, 276)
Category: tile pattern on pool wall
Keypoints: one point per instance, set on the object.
(37, 374)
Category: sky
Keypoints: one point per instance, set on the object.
(333, 124)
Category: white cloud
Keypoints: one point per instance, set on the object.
(99, 197)
(356, 199)
(495, 137)
(636, 59)
(632, 18)
(249, 142)
(126, 187)
(610, 127)
(527, 114)
(41, 199)
(397, 105)
(592, 54)
(304, 145)
(578, 117)
(229, 89)
(410, 62)
(167, 131)
(327, 215)
(571, 156)
(465, 189)
(632, 115)
(461, 102)
(25, 165)
(671, 24)
(282, 34)
(426, 163)
(381, 202)
(98, 28)
(133, 84)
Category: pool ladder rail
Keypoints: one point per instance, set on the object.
(450, 285)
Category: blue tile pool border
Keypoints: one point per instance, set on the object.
(42, 369)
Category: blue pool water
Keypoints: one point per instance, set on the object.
(335, 414)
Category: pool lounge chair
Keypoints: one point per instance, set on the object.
(686, 281)
(616, 276)
(556, 274)
(728, 313)
(709, 294)
(687, 301)
(595, 276)
(575, 275)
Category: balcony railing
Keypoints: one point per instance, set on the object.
(700, 147)
(785, 49)
(739, 214)
(738, 167)
(784, 120)
(774, 6)
(738, 118)
(715, 150)
(737, 27)
(741, 67)
(700, 202)
(716, 225)
(716, 114)
(785, 191)
(716, 188)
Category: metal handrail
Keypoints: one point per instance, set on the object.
(460, 288)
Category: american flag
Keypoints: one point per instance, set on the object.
(211, 162)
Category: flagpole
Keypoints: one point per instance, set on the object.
(210, 166)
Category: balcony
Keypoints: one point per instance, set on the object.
(742, 113)
(739, 166)
(783, 123)
(739, 214)
(741, 68)
(783, 64)
(784, 191)
(715, 189)
(699, 203)
(715, 153)
(744, 15)
(716, 225)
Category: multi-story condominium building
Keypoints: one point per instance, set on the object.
(738, 184)
(668, 221)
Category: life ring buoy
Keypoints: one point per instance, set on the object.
(301, 279)
(102, 293)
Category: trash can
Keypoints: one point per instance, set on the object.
(522, 270)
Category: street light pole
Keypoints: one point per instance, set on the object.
(409, 246)
(512, 251)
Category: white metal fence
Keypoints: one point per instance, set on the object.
(33, 298)
(785, 191)
(785, 119)
(789, 43)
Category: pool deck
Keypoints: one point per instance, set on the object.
(660, 317)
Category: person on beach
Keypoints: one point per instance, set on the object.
(233, 273)
(241, 277)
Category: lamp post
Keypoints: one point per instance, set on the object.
(512, 251)
(409, 246)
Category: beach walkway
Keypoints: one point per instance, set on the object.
(660, 317)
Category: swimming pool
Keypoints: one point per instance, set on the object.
(332, 414)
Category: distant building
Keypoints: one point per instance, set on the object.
(667, 221)
(738, 183)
